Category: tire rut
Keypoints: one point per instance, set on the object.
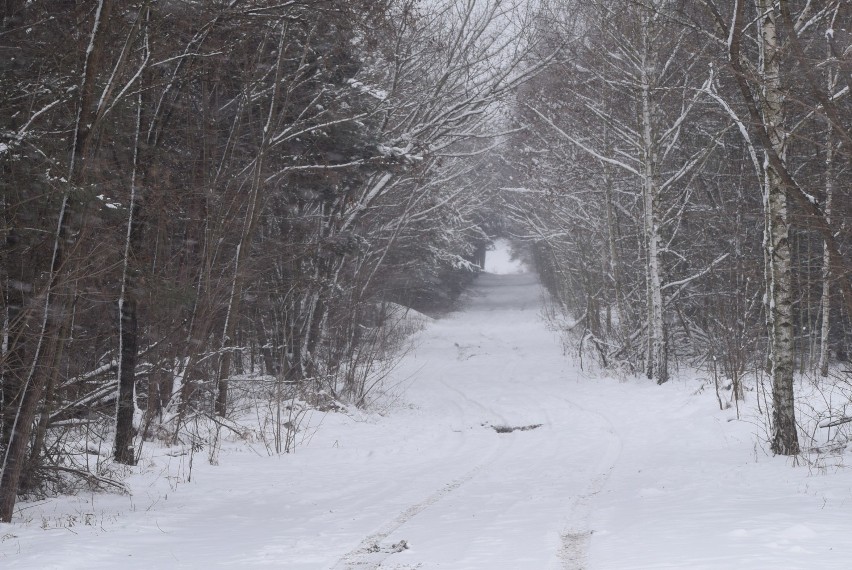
(372, 552)
(576, 536)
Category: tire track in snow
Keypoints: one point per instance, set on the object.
(576, 536)
(370, 553)
(468, 400)
(567, 528)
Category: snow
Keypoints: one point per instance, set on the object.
(108, 202)
(375, 92)
(621, 474)
(499, 260)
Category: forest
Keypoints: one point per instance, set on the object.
(213, 205)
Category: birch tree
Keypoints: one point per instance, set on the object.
(767, 103)
(640, 61)
(777, 242)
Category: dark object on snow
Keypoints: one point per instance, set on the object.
(510, 429)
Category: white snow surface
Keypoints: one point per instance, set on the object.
(621, 474)
(500, 262)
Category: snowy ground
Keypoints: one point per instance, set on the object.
(499, 260)
(616, 475)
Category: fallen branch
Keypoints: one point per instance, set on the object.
(835, 423)
(90, 477)
(241, 431)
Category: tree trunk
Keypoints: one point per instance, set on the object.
(128, 340)
(657, 357)
(125, 401)
(38, 439)
(778, 253)
(825, 328)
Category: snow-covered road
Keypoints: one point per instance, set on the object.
(607, 475)
(489, 499)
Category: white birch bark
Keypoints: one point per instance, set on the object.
(777, 251)
(656, 364)
(825, 325)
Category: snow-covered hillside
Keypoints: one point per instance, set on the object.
(491, 451)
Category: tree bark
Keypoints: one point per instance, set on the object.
(657, 357)
(825, 324)
(825, 328)
(125, 401)
(777, 244)
(127, 308)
